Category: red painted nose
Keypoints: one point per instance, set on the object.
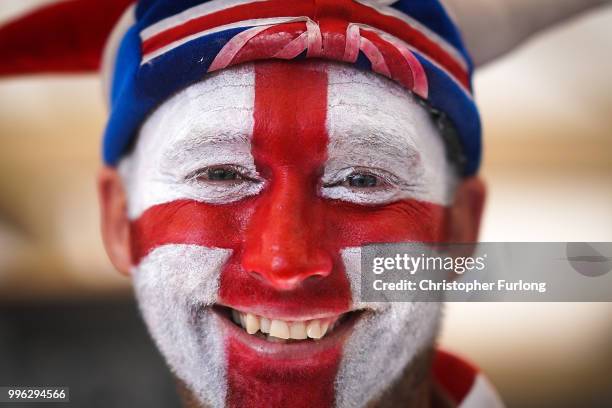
(285, 237)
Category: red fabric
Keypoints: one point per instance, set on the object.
(67, 36)
(399, 69)
(269, 42)
(272, 40)
(454, 375)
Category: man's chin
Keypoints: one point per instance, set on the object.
(357, 360)
(270, 369)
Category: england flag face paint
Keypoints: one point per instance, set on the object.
(249, 195)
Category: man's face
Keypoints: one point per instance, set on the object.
(249, 195)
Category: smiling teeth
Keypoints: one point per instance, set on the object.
(280, 329)
(252, 323)
(264, 325)
(298, 331)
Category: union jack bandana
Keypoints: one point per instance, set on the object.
(165, 45)
(161, 46)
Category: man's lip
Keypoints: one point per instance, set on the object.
(284, 314)
(290, 350)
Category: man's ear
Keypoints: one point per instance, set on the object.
(465, 213)
(114, 220)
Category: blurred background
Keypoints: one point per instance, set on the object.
(547, 112)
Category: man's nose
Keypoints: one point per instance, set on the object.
(286, 235)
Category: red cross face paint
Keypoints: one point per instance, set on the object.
(250, 194)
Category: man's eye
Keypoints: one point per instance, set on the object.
(221, 174)
(362, 180)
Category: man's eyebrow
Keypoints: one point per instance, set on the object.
(204, 121)
(200, 142)
(203, 137)
(375, 141)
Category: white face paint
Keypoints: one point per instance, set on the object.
(171, 284)
(374, 126)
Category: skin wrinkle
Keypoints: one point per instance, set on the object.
(206, 148)
(386, 142)
(392, 131)
(355, 153)
(184, 158)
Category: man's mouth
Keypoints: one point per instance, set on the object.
(276, 330)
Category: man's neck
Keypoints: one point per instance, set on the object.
(415, 389)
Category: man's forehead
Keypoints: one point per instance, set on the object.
(218, 113)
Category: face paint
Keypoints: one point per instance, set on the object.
(253, 190)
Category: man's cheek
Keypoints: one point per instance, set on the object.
(191, 223)
(384, 341)
(188, 274)
(381, 346)
(401, 221)
(172, 284)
